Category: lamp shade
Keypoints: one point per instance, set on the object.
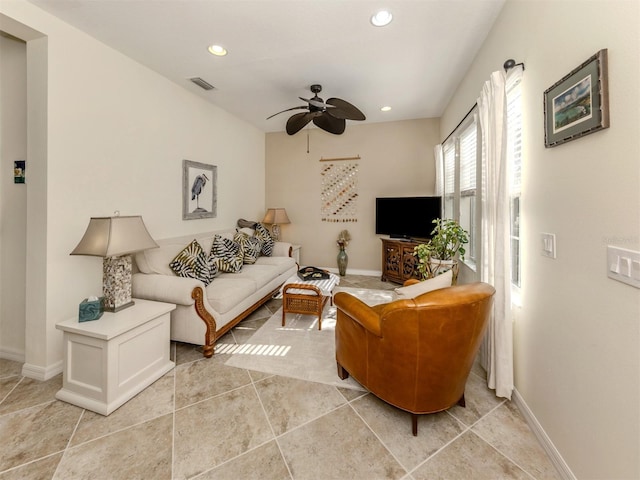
(114, 236)
(276, 216)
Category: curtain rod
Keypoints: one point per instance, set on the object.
(461, 122)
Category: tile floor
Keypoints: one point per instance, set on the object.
(208, 421)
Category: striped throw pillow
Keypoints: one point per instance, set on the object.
(193, 262)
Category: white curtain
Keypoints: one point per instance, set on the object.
(439, 158)
(495, 267)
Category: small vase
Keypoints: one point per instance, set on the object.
(343, 260)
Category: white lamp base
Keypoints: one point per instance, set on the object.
(116, 283)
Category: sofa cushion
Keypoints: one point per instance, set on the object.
(228, 291)
(281, 264)
(226, 254)
(260, 275)
(193, 262)
(412, 291)
(250, 247)
(265, 237)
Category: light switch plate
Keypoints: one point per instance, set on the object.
(623, 265)
(548, 244)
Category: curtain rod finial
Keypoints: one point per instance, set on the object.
(509, 64)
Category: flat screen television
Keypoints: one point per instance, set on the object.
(407, 217)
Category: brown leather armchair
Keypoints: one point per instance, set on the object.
(414, 354)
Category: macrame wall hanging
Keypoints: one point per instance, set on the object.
(339, 190)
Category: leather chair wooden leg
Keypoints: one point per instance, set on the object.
(462, 402)
(414, 424)
(342, 373)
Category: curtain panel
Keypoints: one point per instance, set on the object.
(495, 266)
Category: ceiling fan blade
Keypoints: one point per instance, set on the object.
(330, 124)
(344, 110)
(304, 107)
(298, 121)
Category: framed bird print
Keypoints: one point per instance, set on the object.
(199, 190)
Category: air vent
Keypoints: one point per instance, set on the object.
(202, 83)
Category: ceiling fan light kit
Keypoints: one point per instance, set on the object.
(330, 116)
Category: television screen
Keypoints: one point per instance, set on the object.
(407, 217)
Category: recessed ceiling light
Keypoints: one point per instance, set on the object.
(386, 109)
(382, 18)
(217, 50)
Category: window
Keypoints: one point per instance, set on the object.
(449, 171)
(460, 158)
(462, 152)
(468, 160)
(514, 155)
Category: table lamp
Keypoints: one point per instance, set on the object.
(275, 217)
(115, 239)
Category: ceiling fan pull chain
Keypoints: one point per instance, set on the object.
(307, 140)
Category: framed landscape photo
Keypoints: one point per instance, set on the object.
(199, 190)
(578, 104)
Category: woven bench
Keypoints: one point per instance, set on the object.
(307, 297)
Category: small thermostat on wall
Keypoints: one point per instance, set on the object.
(548, 245)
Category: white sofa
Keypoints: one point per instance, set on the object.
(204, 314)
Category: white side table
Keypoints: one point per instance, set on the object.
(296, 253)
(109, 361)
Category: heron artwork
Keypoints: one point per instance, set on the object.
(196, 189)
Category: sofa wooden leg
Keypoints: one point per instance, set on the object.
(207, 350)
(342, 373)
(462, 402)
(414, 424)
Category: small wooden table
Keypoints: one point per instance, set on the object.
(307, 296)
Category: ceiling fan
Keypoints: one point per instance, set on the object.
(330, 116)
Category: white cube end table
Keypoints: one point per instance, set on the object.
(110, 360)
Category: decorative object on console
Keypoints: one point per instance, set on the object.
(199, 190)
(440, 253)
(578, 104)
(115, 239)
(276, 217)
(343, 258)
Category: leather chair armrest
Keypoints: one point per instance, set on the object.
(411, 281)
(359, 312)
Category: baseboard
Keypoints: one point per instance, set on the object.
(9, 353)
(41, 373)
(350, 271)
(548, 446)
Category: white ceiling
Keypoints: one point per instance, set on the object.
(278, 48)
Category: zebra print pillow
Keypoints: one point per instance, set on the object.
(265, 237)
(226, 254)
(193, 262)
(250, 247)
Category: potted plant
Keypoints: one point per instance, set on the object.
(441, 252)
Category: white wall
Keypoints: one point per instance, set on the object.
(396, 160)
(13, 198)
(115, 137)
(576, 337)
